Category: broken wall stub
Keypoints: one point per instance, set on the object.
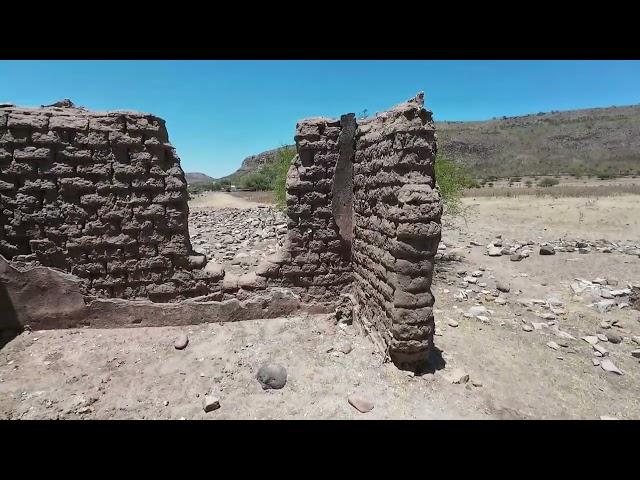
(98, 195)
(316, 259)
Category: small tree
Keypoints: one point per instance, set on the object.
(452, 178)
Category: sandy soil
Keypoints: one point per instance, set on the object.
(137, 373)
(545, 218)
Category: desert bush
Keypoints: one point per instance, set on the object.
(452, 178)
(548, 182)
(561, 191)
(259, 180)
(281, 167)
(272, 176)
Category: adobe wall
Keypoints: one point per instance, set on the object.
(397, 214)
(98, 195)
(102, 196)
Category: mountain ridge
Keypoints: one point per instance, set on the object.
(599, 140)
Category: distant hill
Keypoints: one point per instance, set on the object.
(194, 178)
(254, 163)
(592, 141)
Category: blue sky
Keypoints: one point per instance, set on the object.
(219, 112)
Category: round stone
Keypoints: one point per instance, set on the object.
(613, 337)
(272, 376)
(181, 342)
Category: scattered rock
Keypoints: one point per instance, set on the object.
(591, 339)
(553, 345)
(360, 404)
(635, 353)
(457, 376)
(502, 287)
(527, 328)
(596, 362)
(272, 376)
(605, 305)
(516, 257)
(602, 337)
(494, 252)
(608, 366)
(478, 310)
(181, 342)
(211, 403)
(613, 337)
(344, 346)
(547, 250)
(601, 350)
(620, 293)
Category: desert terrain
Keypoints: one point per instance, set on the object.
(519, 335)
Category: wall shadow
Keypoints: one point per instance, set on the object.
(10, 326)
(434, 362)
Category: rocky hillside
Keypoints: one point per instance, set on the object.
(595, 141)
(194, 178)
(592, 141)
(254, 163)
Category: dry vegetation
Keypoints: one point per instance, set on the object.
(592, 190)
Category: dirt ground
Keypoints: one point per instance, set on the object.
(136, 373)
(206, 200)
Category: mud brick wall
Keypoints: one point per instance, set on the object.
(396, 228)
(316, 260)
(101, 196)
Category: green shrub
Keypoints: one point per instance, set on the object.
(548, 182)
(281, 167)
(452, 178)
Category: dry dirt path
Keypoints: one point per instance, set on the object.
(214, 200)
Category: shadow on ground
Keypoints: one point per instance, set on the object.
(10, 327)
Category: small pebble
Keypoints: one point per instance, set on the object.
(211, 403)
(360, 404)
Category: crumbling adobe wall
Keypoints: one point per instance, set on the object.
(316, 261)
(101, 196)
(397, 214)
